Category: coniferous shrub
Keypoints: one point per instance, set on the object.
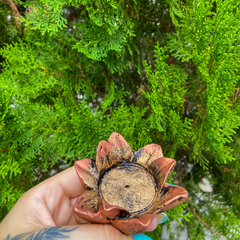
(164, 72)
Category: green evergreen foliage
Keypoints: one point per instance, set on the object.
(164, 72)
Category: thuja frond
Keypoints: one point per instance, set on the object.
(164, 72)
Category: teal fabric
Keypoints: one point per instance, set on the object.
(141, 237)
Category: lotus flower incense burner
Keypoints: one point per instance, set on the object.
(126, 188)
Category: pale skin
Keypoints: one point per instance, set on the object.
(49, 205)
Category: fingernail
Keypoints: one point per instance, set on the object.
(141, 237)
(162, 218)
(174, 185)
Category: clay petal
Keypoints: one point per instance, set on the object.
(134, 225)
(118, 142)
(107, 156)
(146, 155)
(112, 212)
(170, 197)
(161, 169)
(87, 173)
(86, 207)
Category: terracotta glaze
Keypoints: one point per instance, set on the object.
(126, 188)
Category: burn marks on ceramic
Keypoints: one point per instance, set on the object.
(126, 188)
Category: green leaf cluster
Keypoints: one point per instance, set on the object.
(164, 72)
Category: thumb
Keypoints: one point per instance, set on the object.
(104, 232)
(80, 232)
(98, 231)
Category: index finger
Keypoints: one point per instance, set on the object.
(69, 182)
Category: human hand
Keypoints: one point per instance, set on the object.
(46, 211)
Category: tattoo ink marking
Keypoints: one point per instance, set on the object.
(44, 234)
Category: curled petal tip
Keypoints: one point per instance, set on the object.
(149, 153)
(122, 146)
(87, 173)
(86, 207)
(171, 196)
(161, 169)
(112, 212)
(107, 156)
(134, 225)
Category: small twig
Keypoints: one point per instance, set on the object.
(211, 61)
(64, 130)
(194, 120)
(154, 20)
(7, 150)
(214, 223)
(205, 224)
(198, 95)
(207, 199)
(77, 76)
(198, 99)
(125, 12)
(181, 174)
(15, 12)
(92, 86)
(59, 74)
(188, 233)
(202, 89)
(99, 6)
(97, 91)
(80, 68)
(119, 3)
(191, 175)
(4, 150)
(203, 194)
(234, 96)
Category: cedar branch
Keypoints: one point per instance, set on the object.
(119, 3)
(92, 86)
(154, 20)
(205, 224)
(59, 74)
(209, 200)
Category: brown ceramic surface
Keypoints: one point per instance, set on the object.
(126, 188)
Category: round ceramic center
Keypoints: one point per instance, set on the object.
(129, 186)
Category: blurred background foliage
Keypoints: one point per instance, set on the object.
(165, 72)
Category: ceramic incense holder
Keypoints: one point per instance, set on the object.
(126, 188)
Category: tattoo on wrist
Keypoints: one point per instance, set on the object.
(46, 234)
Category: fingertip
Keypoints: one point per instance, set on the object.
(152, 225)
(69, 182)
(99, 231)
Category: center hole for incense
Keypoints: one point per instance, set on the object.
(129, 186)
